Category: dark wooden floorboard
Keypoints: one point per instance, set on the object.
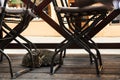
(75, 67)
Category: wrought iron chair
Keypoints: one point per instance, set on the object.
(71, 19)
(25, 15)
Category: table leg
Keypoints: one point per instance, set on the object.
(103, 23)
(38, 10)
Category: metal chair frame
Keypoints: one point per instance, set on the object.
(98, 27)
(11, 35)
(78, 33)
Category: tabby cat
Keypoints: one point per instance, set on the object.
(41, 57)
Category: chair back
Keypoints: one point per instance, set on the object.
(60, 3)
(83, 3)
(62, 17)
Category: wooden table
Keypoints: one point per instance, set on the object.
(39, 11)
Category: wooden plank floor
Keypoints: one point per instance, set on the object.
(75, 67)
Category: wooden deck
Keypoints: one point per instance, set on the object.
(75, 67)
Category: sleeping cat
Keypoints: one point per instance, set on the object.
(41, 57)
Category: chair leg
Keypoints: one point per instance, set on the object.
(79, 43)
(60, 45)
(94, 46)
(97, 51)
(64, 53)
(1, 57)
(52, 68)
(9, 61)
(18, 73)
(96, 64)
(10, 67)
(88, 49)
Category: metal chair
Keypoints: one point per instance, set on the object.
(71, 19)
(25, 15)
